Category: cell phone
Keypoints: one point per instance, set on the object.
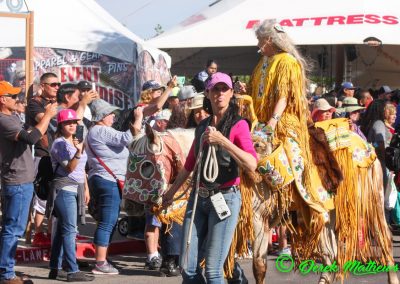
(220, 206)
(181, 80)
(93, 86)
(79, 133)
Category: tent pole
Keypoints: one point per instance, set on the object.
(339, 65)
(29, 52)
(12, 15)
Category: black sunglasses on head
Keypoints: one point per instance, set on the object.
(53, 85)
(14, 97)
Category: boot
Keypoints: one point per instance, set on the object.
(238, 276)
(169, 267)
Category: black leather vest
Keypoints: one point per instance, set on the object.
(228, 168)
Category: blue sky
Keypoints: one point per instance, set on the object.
(142, 16)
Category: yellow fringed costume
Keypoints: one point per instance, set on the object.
(281, 77)
(362, 232)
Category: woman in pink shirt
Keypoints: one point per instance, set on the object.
(212, 233)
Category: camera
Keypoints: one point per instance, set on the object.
(85, 86)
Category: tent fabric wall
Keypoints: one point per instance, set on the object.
(64, 30)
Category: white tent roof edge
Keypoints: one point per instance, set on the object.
(308, 22)
(81, 25)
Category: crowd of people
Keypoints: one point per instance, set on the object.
(83, 140)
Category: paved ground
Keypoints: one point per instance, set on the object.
(132, 271)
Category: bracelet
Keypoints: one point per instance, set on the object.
(276, 116)
(76, 157)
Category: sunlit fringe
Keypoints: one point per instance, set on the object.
(244, 232)
(169, 216)
(362, 233)
(306, 237)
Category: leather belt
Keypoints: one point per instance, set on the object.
(205, 192)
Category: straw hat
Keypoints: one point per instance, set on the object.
(197, 102)
(349, 104)
(323, 105)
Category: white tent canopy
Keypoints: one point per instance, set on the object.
(309, 22)
(225, 32)
(76, 25)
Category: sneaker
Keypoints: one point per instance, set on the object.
(155, 263)
(17, 280)
(79, 276)
(57, 274)
(106, 268)
(285, 251)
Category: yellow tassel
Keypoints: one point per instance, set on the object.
(306, 236)
(174, 213)
(362, 233)
(244, 233)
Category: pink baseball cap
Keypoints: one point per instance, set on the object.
(219, 77)
(67, 115)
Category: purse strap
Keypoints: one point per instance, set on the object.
(101, 162)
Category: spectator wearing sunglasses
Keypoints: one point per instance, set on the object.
(66, 96)
(49, 86)
(17, 175)
(20, 109)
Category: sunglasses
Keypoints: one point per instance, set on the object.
(218, 89)
(53, 85)
(14, 97)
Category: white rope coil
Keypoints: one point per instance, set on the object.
(210, 173)
(210, 167)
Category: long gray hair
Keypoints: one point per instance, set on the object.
(281, 40)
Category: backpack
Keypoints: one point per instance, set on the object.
(392, 153)
(44, 177)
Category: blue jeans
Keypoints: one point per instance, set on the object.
(106, 194)
(16, 201)
(171, 239)
(211, 238)
(64, 244)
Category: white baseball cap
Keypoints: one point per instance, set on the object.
(163, 114)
